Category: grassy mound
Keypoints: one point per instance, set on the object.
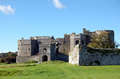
(58, 70)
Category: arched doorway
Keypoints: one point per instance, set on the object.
(44, 58)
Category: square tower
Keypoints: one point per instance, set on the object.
(47, 50)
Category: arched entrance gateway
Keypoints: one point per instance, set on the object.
(44, 58)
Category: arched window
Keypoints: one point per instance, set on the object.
(44, 50)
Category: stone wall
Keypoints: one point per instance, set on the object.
(67, 43)
(108, 33)
(39, 48)
(53, 52)
(34, 47)
(60, 48)
(24, 47)
(88, 56)
(23, 59)
(99, 56)
(64, 44)
(60, 42)
(74, 55)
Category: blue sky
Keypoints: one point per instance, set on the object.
(25, 18)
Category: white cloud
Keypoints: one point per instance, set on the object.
(7, 9)
(58, 4)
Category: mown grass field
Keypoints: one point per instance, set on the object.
(57, 70)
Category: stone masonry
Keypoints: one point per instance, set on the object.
(72, 48)
(39, 49)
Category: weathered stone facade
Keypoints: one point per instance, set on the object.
(80, 55)
(64, 44)
(88, 56)
(39, 49)
(108, 33)
(45, 48)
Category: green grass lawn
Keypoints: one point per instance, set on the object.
(57, 70)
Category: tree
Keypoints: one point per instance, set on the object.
(101, 40)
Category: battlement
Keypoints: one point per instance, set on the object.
(41, 37)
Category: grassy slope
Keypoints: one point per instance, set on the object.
(58, 70)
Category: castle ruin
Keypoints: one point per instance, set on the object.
(69, 48)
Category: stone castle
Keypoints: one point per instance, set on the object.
(72, 48)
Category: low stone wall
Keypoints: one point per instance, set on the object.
(89, 56)
(23, 59)
(99, 56)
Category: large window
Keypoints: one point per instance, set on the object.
(44, 50)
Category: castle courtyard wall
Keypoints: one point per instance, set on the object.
(24, 59)
(95, 57)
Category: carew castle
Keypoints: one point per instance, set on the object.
(72, 48)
